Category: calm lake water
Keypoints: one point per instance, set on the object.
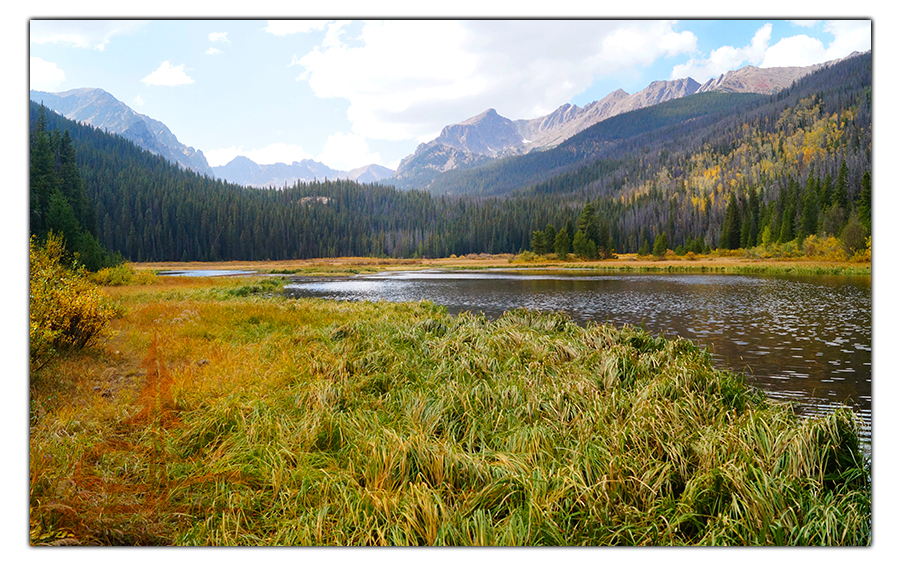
(806, 339)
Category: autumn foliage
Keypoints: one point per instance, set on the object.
(65, 309)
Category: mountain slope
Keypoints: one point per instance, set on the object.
(101, 110)
(488, 136)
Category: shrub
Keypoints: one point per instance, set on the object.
(122, 275)
(66, 310)
(824, 248)
(864, 255)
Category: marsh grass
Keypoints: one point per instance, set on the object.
(240, 419)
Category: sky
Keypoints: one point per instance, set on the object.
(349, 93)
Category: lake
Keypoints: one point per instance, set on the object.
(805, 339)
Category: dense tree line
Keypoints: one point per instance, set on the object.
(751, 169)
(59, 203)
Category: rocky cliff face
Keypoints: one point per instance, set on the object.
(487, 134)
(101, 110)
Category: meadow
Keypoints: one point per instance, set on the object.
(216, 412)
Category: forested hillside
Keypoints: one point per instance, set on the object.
(756, 169)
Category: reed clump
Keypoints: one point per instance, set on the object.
(271, 421)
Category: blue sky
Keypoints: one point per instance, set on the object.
(351, 93)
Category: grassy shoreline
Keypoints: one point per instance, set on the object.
(216, 415)
(624, 263)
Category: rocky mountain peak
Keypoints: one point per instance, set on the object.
(486, 134)
(100, 109)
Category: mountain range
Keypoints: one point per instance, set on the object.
(471, 143)
(243, 171)
(488, 136)
(100, 109)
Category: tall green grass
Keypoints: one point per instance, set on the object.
(322, 423)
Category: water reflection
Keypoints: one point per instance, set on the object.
(804, 339)
(206, 273)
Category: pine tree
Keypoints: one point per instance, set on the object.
(562, 245)
(840, 196)
(730, 237)
(549, 237)
(864, 206)
(809, 217)
(661, 245)
(580, 245)
(587, 223)
(538, 243)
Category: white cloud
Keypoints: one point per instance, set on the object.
(726, 58)
(44, 76)
(83, 34)
(139, 101)
(166, 74)
(794, 51)
(286, 27)
(849, 36)
(802, 50)
(452, 70)
(341, 152)
(347, 151)
(219, 37)
(213, 51)
(278, 152)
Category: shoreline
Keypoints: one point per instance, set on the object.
(624, 263)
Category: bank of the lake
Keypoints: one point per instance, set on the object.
(623, 263)
(217, 413)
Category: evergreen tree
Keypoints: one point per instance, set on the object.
(538, 244)
(661, 245)
(841, 188)
(644, 250)
(587, 223)
(604, 245)
(580, 245)
(730, 237)
(864, 206)
(549, 238)
(787, 224)
(562, 245)
(43, 180)
(810, 215)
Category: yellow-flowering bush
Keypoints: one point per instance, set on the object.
(66, 310)
(824, 248)
(122, 275)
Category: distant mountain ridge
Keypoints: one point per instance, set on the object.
(489, 135)
(101, 110)
(243, 171)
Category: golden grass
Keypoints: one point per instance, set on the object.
(216, 414)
